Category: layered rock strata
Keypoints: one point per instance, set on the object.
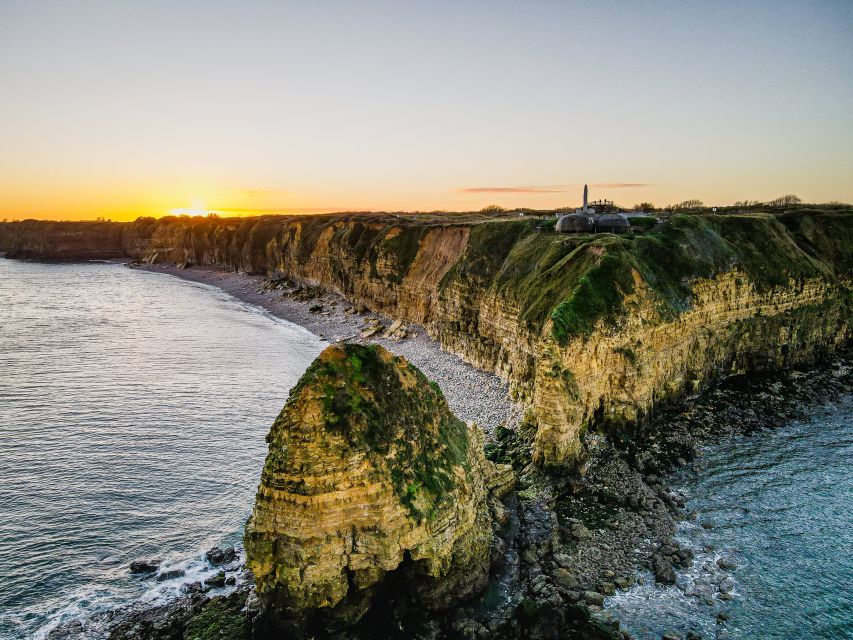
(593, 331)
(369, 474)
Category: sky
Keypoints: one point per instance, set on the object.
(120, 109)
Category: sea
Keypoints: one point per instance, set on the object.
(776, 508)
(134, 408)
(133, 413)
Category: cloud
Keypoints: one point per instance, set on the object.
(549, 189)
(619, 185)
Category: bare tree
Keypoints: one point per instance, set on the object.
(644, 206)
(785, 201)
(746, 203)
(688, 204)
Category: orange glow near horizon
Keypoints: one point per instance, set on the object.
(308, 107)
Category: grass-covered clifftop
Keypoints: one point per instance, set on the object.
(590, 330)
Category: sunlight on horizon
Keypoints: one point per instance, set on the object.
(312, 105)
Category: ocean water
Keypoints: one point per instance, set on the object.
(780, 504)
(133, 412)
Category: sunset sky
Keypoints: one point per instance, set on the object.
(121, 109)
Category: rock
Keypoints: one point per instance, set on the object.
(230, 581)
(217, 580)
(662, 568)
(195, 588)
(563, 560)
(368, 473)
(726, 585)
(580, 532)
(564, 579)
(371, 329)
(670, 636)
(315, 308)
(594, 598)
(684, 558)
(217, 556)
(692, 635)
(397, 330)
(722, 616)
(623, 582)
(170, 575)
(727, 563)
(143, 566)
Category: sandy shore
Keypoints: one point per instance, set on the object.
(473, 395)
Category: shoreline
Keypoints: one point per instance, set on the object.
(473, 395)
(562, 553)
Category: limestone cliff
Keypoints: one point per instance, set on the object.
(61, 241)
(368, 473)
(593, 331)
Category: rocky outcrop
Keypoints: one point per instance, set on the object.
(369, 478)
(592, 331)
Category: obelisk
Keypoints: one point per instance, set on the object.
(585, 194)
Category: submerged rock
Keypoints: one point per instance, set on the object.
(170, 575)
(368, 474)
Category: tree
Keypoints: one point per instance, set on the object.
(688, 204)
(644, 206)
(785, 201)
(746, 203)
(492, 208)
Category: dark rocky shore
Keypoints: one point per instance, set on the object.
(566, 541)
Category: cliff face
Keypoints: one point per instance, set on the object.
(369, 472)
(590, 330)
(36, 240)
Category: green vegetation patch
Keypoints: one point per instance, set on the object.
(765, 249)
(221, 618)
(826, 236)
(597, 295)
(489, 244)
(364, 400)
(580, 280)
(404, 248)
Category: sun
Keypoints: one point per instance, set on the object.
(197, 207)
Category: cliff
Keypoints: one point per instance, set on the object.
(62, 241)
(368, 473)
(590, 330)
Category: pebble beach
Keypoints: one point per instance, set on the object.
(473, 395)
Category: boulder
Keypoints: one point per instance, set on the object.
(370, 479)
(216, 580)
(217, 556)
(143, 566)
(170, 575)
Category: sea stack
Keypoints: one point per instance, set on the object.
(368, 474)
